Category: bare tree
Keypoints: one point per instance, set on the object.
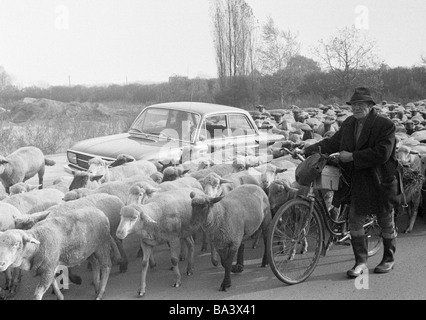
(233, 33)
(423, 58)
(5, 78)
(275, 51)
(346, 54)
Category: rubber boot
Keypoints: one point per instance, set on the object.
(360, 248)
(388, 261)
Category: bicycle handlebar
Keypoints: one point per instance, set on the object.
(333, 158)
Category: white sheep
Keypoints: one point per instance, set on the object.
(8, 213)
(22, 187)
(22, 165)
(99, 169)
(165, 218)
(229, 220)
(26, 202)
(220, 169)
(58, 241)
(115, 188)
(110, 205)
(174, 172)
(81, 179)
(61, 183)
(140, 192)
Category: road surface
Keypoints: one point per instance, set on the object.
(328, 281)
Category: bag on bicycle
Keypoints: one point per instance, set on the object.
(310, 169)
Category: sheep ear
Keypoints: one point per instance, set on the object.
(145, 217)
(20, 222)
(280, 170)
(185, 172)
(192, 195)
(96, 178)
(151, 190)
(217, 199)
(27, 239)
(225, 181)
(3, 161)
(115, 163)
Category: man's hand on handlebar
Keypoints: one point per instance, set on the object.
(345, 156)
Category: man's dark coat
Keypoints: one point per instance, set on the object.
(373, 172)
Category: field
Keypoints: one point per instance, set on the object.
(54, 126)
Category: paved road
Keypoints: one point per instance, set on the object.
(328, 282)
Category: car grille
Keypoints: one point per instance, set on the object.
(82, 160)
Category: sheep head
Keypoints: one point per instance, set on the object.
(203, 201)
(97, 167)
(140, 192)
(80, 180)
(131, 216)
(173, 173)
(3, 161)
(76, 194)
(280, 191)
(157, 177)
(121, 159)
(12, 244)
(22, 187)
(212, 184)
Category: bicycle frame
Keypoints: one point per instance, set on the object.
(316, 200)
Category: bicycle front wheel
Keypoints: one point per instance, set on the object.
(294, 241)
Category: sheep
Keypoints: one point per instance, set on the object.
(99, 168)
(22, 165)
(116, 188)
(121, 159)
(25, 202)
(173, 173)
(214, 185)
(220, 169)
(22, 187)
(412, 180)
(140, 192)
(8, 213)
(165, 218)
(229, 220)
(157, 177)
(62, 183)
(82, 179)
(110, 205)
(58, 241)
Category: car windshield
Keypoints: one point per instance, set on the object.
(167, 123)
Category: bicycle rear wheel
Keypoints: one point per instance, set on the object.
(374, 234)
(295, 241)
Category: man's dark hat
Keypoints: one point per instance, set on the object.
(361, 94)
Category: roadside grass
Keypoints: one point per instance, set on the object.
(55, 136)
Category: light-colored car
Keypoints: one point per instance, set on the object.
(176, 131)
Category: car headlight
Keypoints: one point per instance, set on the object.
(72, 157)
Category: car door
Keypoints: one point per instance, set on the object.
(216, 134)
(243, 134)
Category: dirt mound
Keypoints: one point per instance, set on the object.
(31, 109)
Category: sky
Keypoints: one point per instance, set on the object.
(97, 42)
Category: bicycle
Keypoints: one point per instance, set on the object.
(297, 233)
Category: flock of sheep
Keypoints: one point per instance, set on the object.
(88, 216)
